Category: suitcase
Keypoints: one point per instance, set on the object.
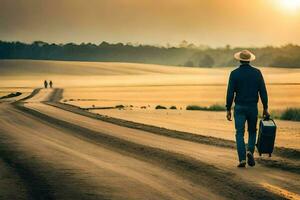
(266, 136)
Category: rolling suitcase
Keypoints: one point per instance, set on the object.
(266, 136)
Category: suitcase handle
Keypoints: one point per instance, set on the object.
(267, 118)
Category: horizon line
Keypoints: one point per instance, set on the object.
(188, 45)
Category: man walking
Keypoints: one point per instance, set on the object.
(45, 84)
(245, 84)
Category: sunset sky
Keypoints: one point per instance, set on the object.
(208, 22)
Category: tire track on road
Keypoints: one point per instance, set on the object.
(223, 182)
(36, 186)
(288, 158)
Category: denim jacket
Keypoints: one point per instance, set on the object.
(244, 86)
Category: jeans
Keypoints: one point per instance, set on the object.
(243, 114)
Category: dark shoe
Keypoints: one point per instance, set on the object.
(251, 161)
(242, 163)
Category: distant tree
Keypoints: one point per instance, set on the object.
(189, 63)
(104, 44)
(206, 61)
(183, 44)
(187, 54)
(203, 47)
(39, 43)
(286, 61)
(119, 44)
(191, 46)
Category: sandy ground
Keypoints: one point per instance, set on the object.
(199, 122)
(8, 90)
(50, 153)
(10, 181)
(99, 170)
(280, 96)
(92, 171)
(224, 159)
(30, 73)
(203, 123)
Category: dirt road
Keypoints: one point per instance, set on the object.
(51, 153)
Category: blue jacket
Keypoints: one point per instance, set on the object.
(245, 83)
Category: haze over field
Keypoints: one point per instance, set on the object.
(185, 54)
(182, 33)
(214, 22)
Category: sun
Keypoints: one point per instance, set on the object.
(290, 4)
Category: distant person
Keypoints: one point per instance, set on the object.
(245, 83)
(50, 83)
(45, 84)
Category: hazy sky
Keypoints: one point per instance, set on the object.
(211, 22)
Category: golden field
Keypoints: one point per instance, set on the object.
(111, 84)
(80, 155)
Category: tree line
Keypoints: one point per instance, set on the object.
(189, 55)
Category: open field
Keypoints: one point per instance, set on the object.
(118, 83)
(203, 122)
(49, 150)
(139, 85)
(281, 96)
(200, 122)
(7, 90)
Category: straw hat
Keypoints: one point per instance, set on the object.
(244, 55)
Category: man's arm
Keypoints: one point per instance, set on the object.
(263, 96)
(263, 92)
(230, 93)
(230, 96)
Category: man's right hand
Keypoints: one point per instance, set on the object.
(228, 116)
(266, 113)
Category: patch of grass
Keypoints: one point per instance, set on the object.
(160, 107)
(11, 95)
(195, 107)
(120, 106)
(217, 107)
(292, 114)
(275, 114)
(214, 107)
(173, 108)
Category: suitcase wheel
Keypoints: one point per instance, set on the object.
(270, 155)
(259, 154)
